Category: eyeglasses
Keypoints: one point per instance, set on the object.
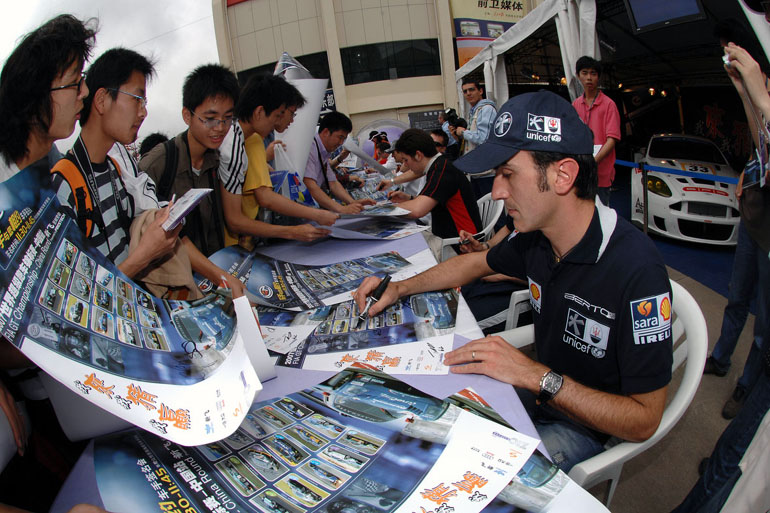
(142, 100)
(439, 144)
(78, 84)
(214, 122)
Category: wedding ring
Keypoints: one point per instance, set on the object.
(473, 355)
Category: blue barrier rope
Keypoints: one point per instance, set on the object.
(691, 174)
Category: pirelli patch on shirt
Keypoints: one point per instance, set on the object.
(651, 319)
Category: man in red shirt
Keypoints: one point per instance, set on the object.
(600, 113)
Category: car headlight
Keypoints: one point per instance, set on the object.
(658, 186)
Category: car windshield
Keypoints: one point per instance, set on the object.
(681, 148)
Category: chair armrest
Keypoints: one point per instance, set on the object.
(519, 337)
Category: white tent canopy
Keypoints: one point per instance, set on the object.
(575, 23)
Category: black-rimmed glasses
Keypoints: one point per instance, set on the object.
(78, 84)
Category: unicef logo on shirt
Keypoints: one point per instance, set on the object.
(503, 124)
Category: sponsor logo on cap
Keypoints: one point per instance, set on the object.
(503, 124)
(543, 128)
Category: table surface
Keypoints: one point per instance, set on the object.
(80, 486)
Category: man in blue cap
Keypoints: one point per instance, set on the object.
(599, 289)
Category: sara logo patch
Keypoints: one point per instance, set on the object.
(535, 294)
(651, 318)
(585, 334)
(266, 291)
(543, 128)
(503, 124)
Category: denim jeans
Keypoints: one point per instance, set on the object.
(714, 486)
(751, 268)
(567, 442)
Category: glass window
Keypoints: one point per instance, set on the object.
(391, 60)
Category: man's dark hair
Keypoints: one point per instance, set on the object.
(334, 121)
(269, 92)
(414, 140)
(586, 62)
(110, 71)
(150, 142)
(474, 81)
(586, 183)
(440, 133)
(25, 82)
(208, 81)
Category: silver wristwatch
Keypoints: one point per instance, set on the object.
(550, 384)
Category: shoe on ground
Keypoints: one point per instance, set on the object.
(704, 463)
(735, 403)
(711, 367)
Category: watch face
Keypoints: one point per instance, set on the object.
(552, 382)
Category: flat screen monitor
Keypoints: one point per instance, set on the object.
(654, 14)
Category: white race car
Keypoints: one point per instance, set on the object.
(683, 207)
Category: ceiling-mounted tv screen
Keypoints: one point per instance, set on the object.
(654, 14)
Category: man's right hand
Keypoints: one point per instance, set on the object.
(398, 196)
(353, 208)
(325, 217)
(308, 232)
(472, 245)
(385, 184)
(367, 286)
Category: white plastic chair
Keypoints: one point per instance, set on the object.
(490, 211)
(690, 338)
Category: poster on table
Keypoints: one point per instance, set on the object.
(174, 367)
(381, 210)
(377, 229)
(409, 337)
(361, 441)
(289, 286)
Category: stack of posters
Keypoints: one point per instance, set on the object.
(361, 441)
(174, 367)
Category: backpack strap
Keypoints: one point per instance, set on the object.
(83, 201)
(166, 182)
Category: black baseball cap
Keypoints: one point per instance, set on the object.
(541, 121)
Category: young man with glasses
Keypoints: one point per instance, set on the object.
(42, 92)
(266, 102)
(113, 114)
(191, 159)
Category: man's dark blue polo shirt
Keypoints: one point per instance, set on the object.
(603, 313)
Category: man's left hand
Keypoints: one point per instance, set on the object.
(459, 131)
(365, 202)
(496, 358)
